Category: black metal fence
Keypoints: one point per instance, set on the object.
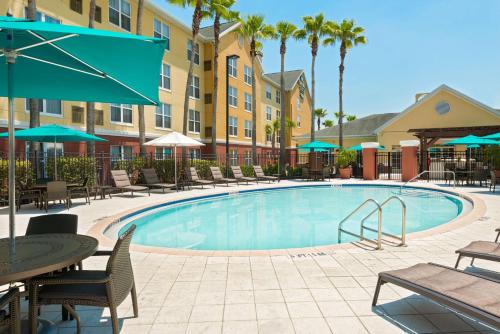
(388, 165)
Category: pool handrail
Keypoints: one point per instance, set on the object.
(379, 229)
(429, 171)
(402, 238)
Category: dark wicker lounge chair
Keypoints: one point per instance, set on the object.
(153, 181)
(82, 190)
(238, 175)
(219, 178)
(106, 288)
(470, 294)
(12, 318)
(122, 182)
(259, 174)
(193, 178)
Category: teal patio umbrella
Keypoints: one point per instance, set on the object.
(473, 146)
(318, 145)
(494, 136)
(53, 133)
(359, 148)
(472, 140)
(52, 61)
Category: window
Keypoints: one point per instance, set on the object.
(208, 98)
(196, 52)
(194, 121)
(164, 116)
(269, 92)
(233, 157)
(298, 104)
(232, 67)
(248, 75)
(248, 102)
(299, 119)
(269, 113)
(165, 76)
(121, 113)
(232, 96)
(98, 14)
(207, 65)
(76, 114)
(163, 153)
(248, 129)
(194, 87)
(278, 96)
(39, 16)
(269, 137)
(161, 30)
(195, 153)
(233, 126)
(248, 158)
(47, 107)
(76, 5)
(120, 152)
(98, 117)
(119, 13)
(278, 114)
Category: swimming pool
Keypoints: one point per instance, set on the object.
(282, 218)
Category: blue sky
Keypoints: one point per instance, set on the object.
(413, 46)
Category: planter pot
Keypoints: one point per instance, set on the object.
(345, 173)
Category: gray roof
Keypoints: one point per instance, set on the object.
(291, 78)
(364, 126)
(208, 32)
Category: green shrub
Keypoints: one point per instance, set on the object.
(24, 173)
(73, 170)
(346, 158)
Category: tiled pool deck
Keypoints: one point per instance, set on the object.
(277, 292)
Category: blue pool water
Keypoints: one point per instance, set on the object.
(286, 218)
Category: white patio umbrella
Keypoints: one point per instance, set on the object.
(174, 139)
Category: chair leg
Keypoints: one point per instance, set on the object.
(33, 308)
(472, 262)
(498, 236)
(458, 260)
(133, 293)
(73, 314)
(114, 319)
(377, 291)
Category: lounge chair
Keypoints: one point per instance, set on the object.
(56, 191)
(194, 179)
(484, 250)
(100, 288)
(238, 175)
(122, 182)
(219, 178)
(153, 181)
(259, 174)
(468, 293)
(498, 235)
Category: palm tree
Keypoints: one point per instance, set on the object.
(284, 30)
(254, 29)
(140, 108)
(33, 103)
(349, 35)
(315, 28)
(218, 9)
(327, 123)
(350, 118)
(195, 28)
(320, 113)
(91, 105)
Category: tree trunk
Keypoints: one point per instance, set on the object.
(313, 94)
(216, 85)
(254, 104)
(33, 103)
(341, 81)
(140, 108)
(319, 123)
(283, 110)
(273, 142)
(90, 121)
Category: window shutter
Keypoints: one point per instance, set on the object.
(208, 98)
(98, 117)
(207, 65)
(76, 6)
(76, 114)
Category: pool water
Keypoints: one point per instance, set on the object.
(287, 218)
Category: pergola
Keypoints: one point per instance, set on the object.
(429, 136)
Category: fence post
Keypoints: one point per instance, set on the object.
(409, 159)
(369, 160)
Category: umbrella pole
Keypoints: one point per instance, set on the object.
(11, 60)
(55, 160)
(175, 168)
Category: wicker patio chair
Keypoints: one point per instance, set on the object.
(153, 181)
(238, 175)
(82, 190)
(56, 191)
(28, 195)
(219, 178)
(106, 288)
(193, 178)
(122, 182)
(11, 319)
(259, 174)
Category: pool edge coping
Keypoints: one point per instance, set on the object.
(99, 228)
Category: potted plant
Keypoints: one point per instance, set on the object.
(345, 159)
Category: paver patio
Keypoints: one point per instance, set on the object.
(276, 294)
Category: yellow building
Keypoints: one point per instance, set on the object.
(119, 123)
(434, 118)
